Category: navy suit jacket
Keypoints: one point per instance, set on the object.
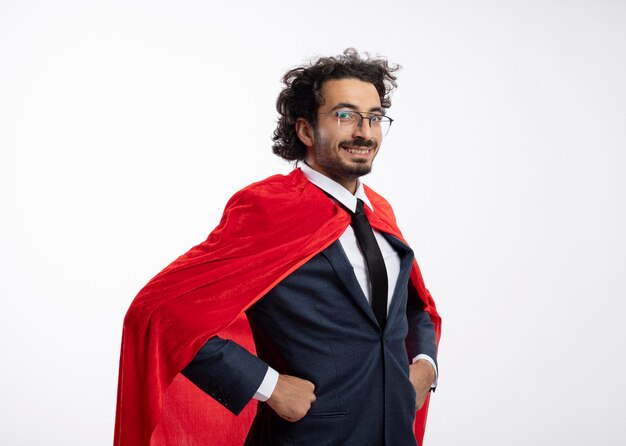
(317, 325)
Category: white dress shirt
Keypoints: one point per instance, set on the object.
(355, 256)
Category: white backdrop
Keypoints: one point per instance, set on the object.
(126, 125)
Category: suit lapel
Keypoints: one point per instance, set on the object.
(345, 273)
(406, 262)
(338, 259)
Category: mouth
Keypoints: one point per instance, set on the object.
(359, 151)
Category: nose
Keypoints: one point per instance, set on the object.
(364, 129)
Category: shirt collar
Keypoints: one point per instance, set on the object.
(336, 190)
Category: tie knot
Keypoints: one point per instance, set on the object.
(359, 206)
(358, 216)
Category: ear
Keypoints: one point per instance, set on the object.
(304, 130)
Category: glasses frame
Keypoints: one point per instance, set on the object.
(361, 118)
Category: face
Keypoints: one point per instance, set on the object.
(343, 153)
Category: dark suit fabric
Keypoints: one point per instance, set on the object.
(317, 325)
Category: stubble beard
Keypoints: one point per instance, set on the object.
(329, 158)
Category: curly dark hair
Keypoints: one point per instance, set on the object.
(302, 97)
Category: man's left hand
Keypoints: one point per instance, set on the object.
(422, 375)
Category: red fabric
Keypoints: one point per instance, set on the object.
(268, 230)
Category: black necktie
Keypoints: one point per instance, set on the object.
(375, 263)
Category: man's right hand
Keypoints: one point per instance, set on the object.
(292, 397)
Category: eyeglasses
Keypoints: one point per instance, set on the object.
(347, 119)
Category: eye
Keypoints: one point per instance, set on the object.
(377, 119)
(345, 115)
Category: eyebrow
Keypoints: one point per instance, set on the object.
(354, 107)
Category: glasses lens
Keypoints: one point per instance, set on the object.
(346, 119)
(383, 123)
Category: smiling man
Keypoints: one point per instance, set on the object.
(313, 267)
(339, 146)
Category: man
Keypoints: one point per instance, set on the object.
(345, 331)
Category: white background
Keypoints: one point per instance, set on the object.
(126, 125)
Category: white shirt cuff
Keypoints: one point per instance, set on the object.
(265, 390)
(429, 359)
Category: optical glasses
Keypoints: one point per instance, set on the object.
(347, 119)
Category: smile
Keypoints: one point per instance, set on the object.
(356, 151)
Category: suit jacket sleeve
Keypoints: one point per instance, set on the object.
(421, 338)
(227, 372)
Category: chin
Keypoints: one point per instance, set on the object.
(359, 169)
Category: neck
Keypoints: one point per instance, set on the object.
(351, 184)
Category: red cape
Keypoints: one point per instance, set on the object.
(268, 230)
